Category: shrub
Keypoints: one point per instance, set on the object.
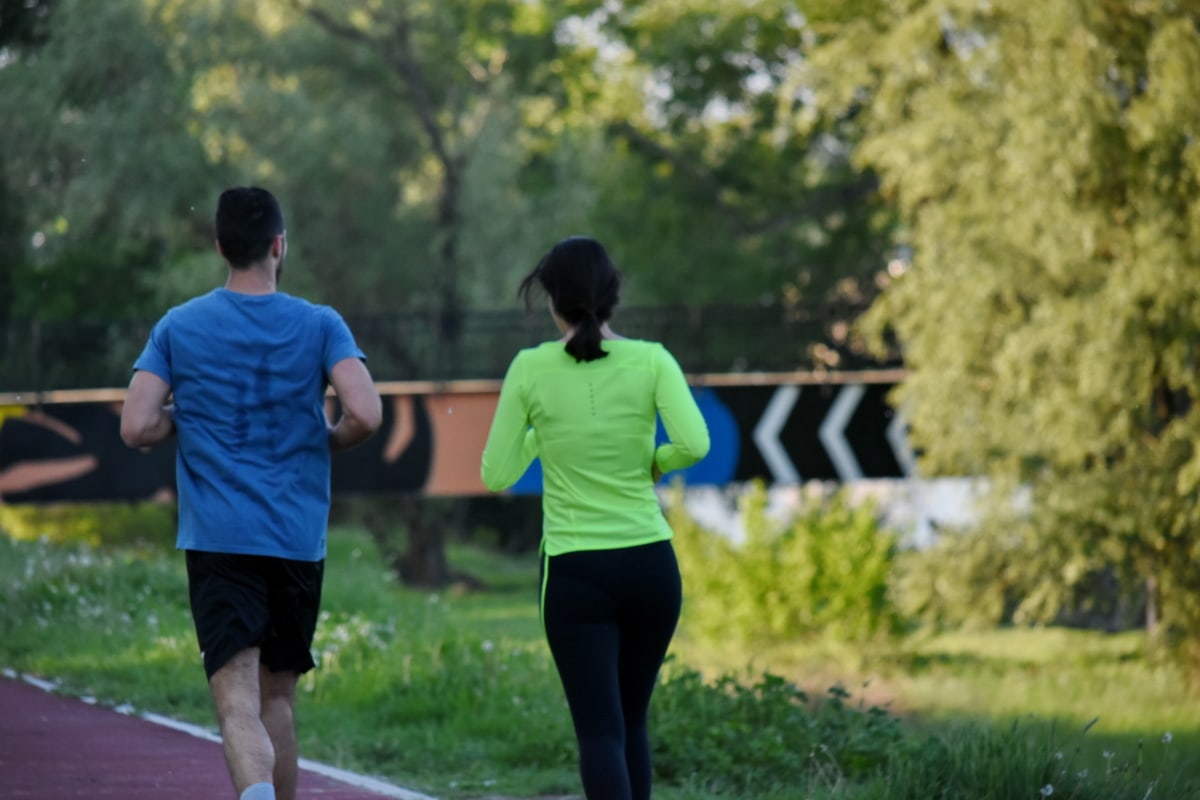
(92, 524)
(994, 575)
(824, 572)
(733, 736)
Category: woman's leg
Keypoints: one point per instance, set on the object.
(581, 629)
(648, 623)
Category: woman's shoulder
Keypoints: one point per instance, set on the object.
(540, 350)
(638, 345)
(647, 349)
(535, 356)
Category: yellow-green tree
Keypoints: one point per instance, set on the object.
(1043, 157)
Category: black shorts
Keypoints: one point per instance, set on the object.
(241, 601)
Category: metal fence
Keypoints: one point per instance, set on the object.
(421, 345)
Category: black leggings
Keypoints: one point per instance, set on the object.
(609, 617)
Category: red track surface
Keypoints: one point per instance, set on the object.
(57, 748)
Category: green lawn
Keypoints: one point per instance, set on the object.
(453, 693)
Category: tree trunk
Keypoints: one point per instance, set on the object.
(1152, 619)
(423, 563)
(426, 525)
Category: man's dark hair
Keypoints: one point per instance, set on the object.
(584, 285)
(248, 220)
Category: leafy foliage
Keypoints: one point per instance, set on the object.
(822, 573)
(96, 213)
(734, 187)
(738, 737)
(972, 580)
(426, 153)
(1044, 162)
(92, 525)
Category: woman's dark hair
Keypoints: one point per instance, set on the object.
(584, 285)
(248, 220)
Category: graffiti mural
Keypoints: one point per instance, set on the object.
(783, 433)
(74, 452)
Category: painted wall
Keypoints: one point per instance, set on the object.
(786, 433)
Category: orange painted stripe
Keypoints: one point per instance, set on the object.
(490, 386)
(460, 428)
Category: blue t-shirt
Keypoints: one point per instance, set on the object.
(249, 374)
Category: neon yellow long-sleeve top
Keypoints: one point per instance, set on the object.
(593, 425)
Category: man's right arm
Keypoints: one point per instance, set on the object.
(146, 419)
(362, 410)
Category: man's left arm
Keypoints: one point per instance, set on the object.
(146, 419)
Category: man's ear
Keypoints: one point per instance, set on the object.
(277, 246)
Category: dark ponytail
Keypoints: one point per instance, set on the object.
(584, 286)
(584, 344)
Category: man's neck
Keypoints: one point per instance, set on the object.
(253, 280)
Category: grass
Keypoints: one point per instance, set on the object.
(454, 693)
(1053, 682)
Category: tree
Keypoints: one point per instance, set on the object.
(746, 203)
(426, 153)
(446, 68)
(1043, 160)
(23, 27)
(448, 65)
(95, 214)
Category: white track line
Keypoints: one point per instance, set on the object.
(382, 788)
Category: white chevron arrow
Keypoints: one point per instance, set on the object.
(766, 435)
(897, 436)
(833, 429)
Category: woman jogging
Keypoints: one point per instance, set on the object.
(586, 405)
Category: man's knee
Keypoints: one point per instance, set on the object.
(278, 685)
(235, 686)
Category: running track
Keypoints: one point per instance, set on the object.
(60, 748)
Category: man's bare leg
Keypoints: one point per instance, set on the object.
(248, 750)
(278, 717)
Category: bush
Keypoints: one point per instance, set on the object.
(743, 738)
(92, 524)
(825, 572)
(996, 575)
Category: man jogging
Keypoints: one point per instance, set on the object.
(239, 375)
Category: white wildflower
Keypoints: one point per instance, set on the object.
(1167, 737)
(1047, 790)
